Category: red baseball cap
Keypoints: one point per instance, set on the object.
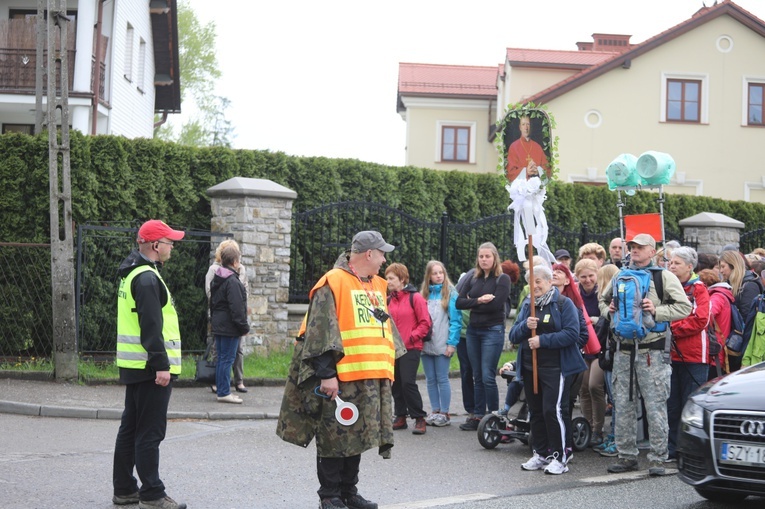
(154, 229)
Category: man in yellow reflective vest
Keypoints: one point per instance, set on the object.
(347, 346)
(149, 359)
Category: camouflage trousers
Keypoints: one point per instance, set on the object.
(651, 378)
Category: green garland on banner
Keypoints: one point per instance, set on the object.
(531, 110)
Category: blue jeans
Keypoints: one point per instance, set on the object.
(484, 347)
(436, 369)
(686, 377)
(226, 347)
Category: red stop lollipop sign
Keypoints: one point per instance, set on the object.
(345, 413)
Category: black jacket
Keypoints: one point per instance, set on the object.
(150, 297)
(228, 304)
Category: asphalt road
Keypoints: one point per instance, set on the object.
(51, 463)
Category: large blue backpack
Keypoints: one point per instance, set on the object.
(630, 287)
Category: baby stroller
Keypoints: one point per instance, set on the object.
(494, 426)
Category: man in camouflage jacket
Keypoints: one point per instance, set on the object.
(305, 415)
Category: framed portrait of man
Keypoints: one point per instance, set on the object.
(526, 147)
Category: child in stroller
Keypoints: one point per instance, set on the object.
(501, 427)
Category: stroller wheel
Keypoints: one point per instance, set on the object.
(582, 433)
(488, 431)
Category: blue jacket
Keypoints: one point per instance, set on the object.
(566, 339)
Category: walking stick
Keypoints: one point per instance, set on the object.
(532, 313)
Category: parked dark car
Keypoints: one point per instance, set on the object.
(721, 444)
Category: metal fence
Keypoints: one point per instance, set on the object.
(320, 235)
(25, 302)
(751, 240)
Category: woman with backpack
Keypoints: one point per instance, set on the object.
(746, 286)
(690, 348)
(441, 297)
(720, 300)
(409, 312)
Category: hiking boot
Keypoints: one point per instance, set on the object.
(555, 467)
(471, 424)
(399, 422)
(656, 468)
(419, 426)
(358, 502)
(125, 499)
(332, 503)
(441, 420)
(536, 462)
(610, 452)
(596, 440)
(162, 503)
(623, 465)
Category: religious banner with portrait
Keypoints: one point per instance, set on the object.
(527, 160)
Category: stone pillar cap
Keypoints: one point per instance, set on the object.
(243, 186)
(711, 219)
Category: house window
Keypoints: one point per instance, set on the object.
(683, 100)
(755, 104)
(19, 128)
(129, 52)
(455, 144)
(141, 64)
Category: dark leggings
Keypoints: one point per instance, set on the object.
(548, 411)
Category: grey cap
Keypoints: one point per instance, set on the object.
(369, 239)
(729, 247)
(561, 253)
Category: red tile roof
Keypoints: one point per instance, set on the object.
(520, 57)
(447, 80)
(700, 17)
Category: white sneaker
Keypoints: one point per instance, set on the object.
(536, 462)
(441, 420)
(556, 468)
(230, 399)
(430, 418)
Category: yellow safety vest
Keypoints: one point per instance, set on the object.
(367, 343)
(130, 352)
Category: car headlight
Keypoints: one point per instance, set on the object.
(693, 415)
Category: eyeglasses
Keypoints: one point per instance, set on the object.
(163, 242)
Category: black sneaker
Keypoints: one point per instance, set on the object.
(358, 502)
(332, 503)
(623, 465)
(470, 424)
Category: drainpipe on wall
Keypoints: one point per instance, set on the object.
(97, 78)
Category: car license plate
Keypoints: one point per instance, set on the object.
(740, 454)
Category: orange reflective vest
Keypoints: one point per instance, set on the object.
(367, 343)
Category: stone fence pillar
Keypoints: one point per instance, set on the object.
(259, 214)
(712, 230)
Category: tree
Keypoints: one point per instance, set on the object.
(199, 70)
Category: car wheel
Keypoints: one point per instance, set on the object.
(582, 433)
(488, 431)
(720, 496)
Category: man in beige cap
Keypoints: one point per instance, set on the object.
(346, 346)
(645, 362)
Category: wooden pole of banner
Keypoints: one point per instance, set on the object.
(532, 314)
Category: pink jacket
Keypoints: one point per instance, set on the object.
(412, 324)
(721, 297)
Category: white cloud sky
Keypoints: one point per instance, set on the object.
(320, 78)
